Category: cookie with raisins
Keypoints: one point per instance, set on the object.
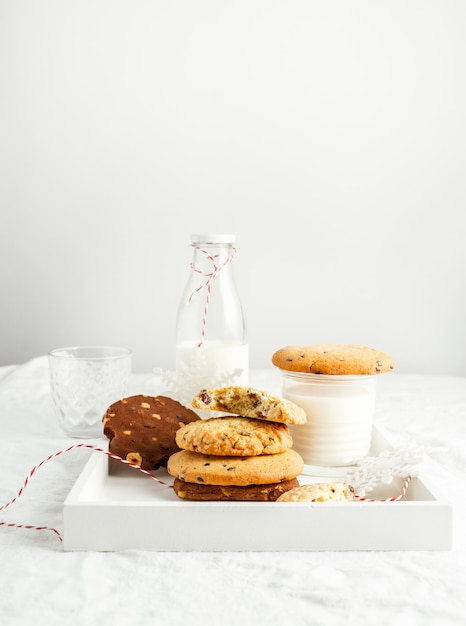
(250, 402)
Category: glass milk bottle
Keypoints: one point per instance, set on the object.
(211, 343)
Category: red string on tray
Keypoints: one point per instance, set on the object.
(53, 456)
(393, 499)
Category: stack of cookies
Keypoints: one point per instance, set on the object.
(246, 455)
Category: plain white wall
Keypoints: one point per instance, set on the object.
(329, 136)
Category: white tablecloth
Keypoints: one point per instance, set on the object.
(40, 583)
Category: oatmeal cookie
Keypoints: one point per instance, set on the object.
(319, 492)
(234, 436)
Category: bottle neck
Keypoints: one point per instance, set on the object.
(213, 256)
(210, 302)
(210, 261)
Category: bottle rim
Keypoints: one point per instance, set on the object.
(212, 238)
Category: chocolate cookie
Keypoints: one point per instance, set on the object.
(333, 359)
(194, 467)
(319, 492)
(250, 402)
(142, 429)
(250, 493)
(234, 436)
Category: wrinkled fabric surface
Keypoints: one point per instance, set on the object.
(42, 584)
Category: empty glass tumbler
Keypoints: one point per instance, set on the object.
(85, 381)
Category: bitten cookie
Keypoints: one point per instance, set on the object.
(194, 467)
(333, 359)
(251, 493)
(250, 402)
(142, 429)
(234, 436)
(319, 492)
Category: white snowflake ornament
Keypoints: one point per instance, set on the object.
(190, 378)
(371, 471)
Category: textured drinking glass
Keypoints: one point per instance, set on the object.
(85, 381)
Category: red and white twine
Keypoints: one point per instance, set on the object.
(210, 276)
(392, 499)
(53, 456)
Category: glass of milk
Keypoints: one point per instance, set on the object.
(340, 412)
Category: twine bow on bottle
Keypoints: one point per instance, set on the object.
(210, 276)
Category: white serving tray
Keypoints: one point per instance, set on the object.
(115, 507)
